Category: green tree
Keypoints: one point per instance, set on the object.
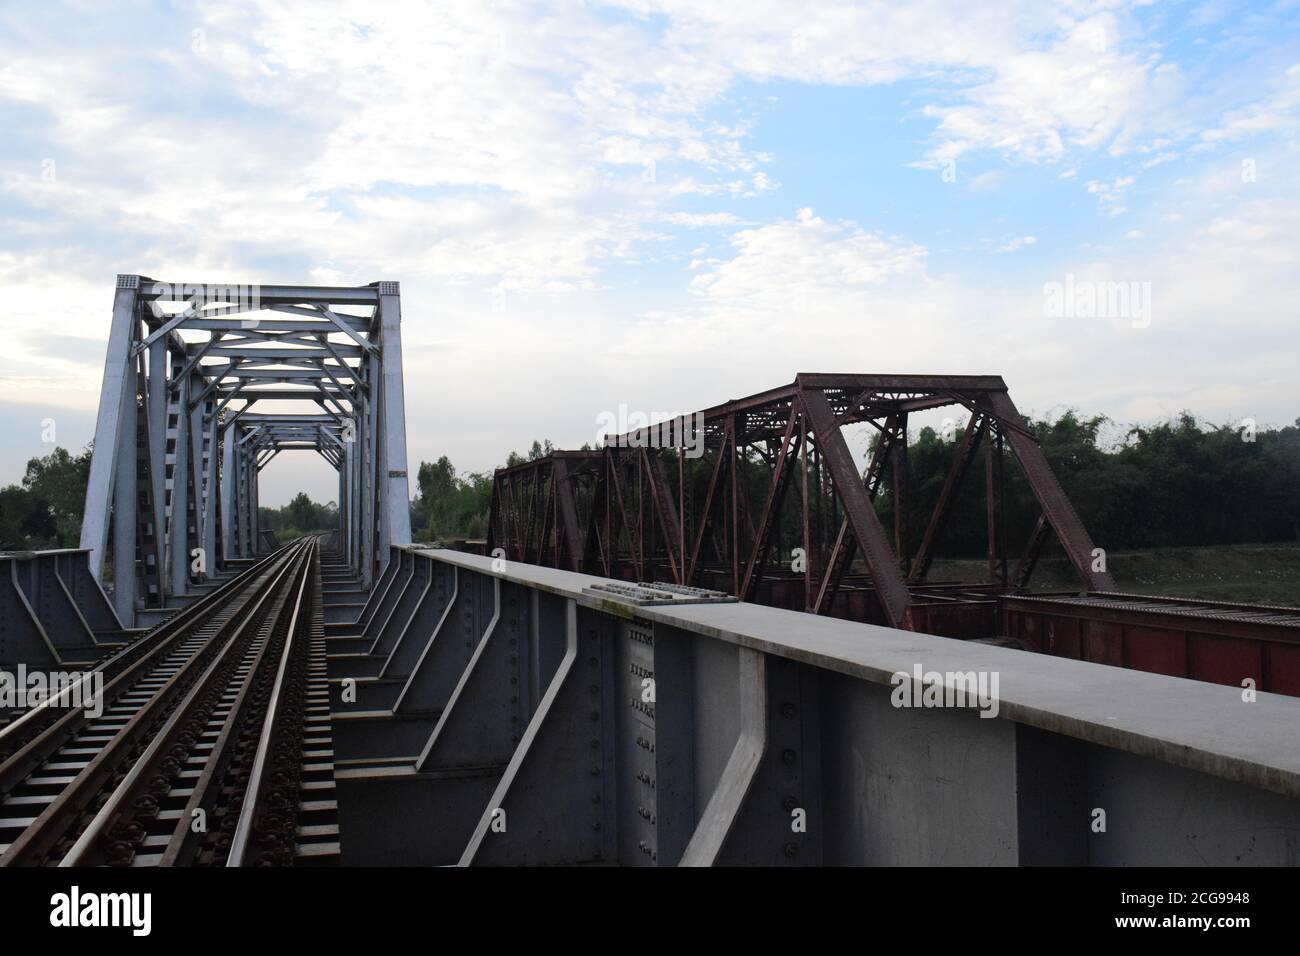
(437, 483)
(47, 510)
(300, 516)
(26, 521)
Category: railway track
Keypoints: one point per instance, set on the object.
(210, 744)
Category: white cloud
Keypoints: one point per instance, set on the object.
(702, 220)
(537, 150)
(778, 267)
(1017, 242)
(1111, 195)
(1084, 88)
(1278, 112)
(458, 140)
(987, 180)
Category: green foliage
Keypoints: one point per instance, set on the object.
(1174, 484)
(450, 506)
(300, 516)
(26, 521)
(46, 510)
(539, 449)
(453, 506)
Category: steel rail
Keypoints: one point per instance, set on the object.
(252, 797)
(177, 629)
(38, 837)
(148, 644)
(223, 663)
(211, 784)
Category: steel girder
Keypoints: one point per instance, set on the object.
(647, 513)
(508, 715)
(178, 445)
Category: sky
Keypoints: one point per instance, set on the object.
(663, 205)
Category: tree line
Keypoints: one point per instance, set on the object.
(450, 505)
(298, 517)
(1171, 484)
(45, 509)
(1175, 483)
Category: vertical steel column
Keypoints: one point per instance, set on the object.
(248, 481)
(237, 494)
(179, 550)
(899, 491)
(196, 468)
(230, 436)
(118, 380)
(210, 502)
(245, 452)
(249, 476)
(255, 525)
(369, 476)
(354, 489)
(158, 364)
(345, 504)
(396, 523)
(125, 501)
(342, 499)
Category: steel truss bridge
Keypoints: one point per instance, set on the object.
(775, 472)
(631, 674)
(178, 445)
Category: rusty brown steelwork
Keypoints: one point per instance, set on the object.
(640, 512)
(633, 511)
(1216, 641)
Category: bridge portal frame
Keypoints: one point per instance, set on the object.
(178, 452)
